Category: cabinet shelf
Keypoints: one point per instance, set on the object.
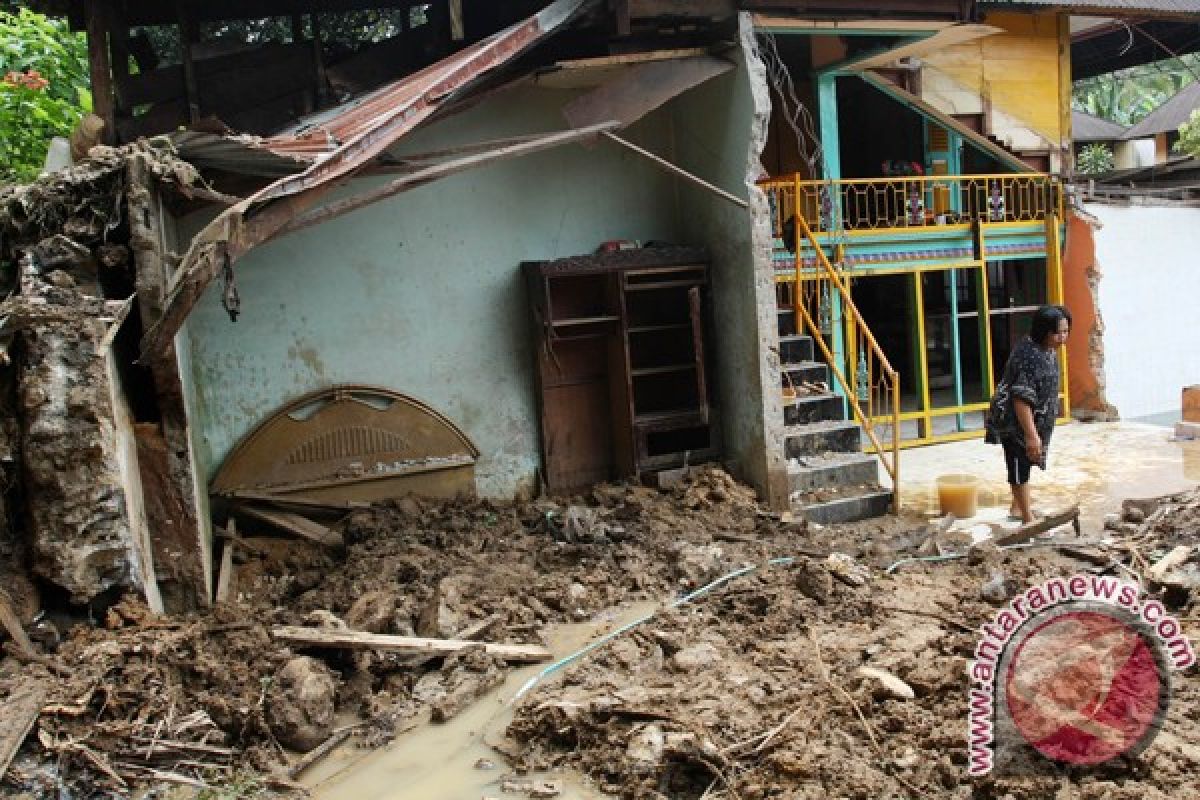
(646, 287)
(663, 370)
(673, 326)
(573, 321)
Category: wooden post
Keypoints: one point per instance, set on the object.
(319, 61)
(100, 66)
(457, 31)
(187, 36)
(190, 564)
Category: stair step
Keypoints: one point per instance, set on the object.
(829, 507)
(832, 470)
(806, 371)
(794, 348)
(813, 408)
(816, 438)
(786, 321)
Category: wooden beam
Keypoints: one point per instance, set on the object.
(318, 53)
(186, 555)
(708, 9)
(18, 714)
(100, 68)
(10, 622)
(295, 524)
(416, 645)
(429, 174)
(621, 17)
(187, 36)
(1032, 529)
(683, 173)
(224, 575)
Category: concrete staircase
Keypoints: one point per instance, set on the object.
(831, 478)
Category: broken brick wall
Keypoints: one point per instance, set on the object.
(1085, 347)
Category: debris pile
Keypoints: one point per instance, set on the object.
(143, 698)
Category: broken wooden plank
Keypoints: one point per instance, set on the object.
(1048, 523)
(295, 524)
(322, 750)
(18, 714)
(683, 173)
(1165, 565)
(361, 640)
(225, 575)
(12, 624)
(332, 506)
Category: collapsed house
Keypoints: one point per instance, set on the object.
(346, 279)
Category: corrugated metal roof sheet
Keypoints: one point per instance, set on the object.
(1137, 6)
(347, 140)
(1087, 128)
(1170, 115)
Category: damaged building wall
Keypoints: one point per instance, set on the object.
(86, 523)
(421, 293)
(1147, 297)
(1085, 348)
(991, 77)
(720, 132)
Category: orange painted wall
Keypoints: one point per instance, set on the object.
(1079, 258)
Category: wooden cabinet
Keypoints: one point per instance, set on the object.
(621, 366)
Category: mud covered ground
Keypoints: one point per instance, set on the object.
(754, 690)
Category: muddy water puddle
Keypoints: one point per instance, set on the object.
(1094, 465)
(439, 761)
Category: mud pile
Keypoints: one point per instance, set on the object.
(136, 697)
(800, 680)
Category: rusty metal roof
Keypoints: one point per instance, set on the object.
(341, 143)
(1108, 7)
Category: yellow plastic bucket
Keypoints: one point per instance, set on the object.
(958, 495)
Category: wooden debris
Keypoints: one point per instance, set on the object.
(1165, 565)
(283, 501)
(889, 682)
(295, 524)
(35, 658)
(225, 575)
(361, 640)
(12, 624)
(322, 750)
(1047, 523)
(18, 714)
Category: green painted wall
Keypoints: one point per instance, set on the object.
(422, 293)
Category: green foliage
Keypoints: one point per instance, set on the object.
(1189, 136)
(1126, 96)
(1094, 159)
(43, 89)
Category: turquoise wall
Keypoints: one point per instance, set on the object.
(421, 293)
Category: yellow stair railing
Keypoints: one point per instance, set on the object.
(869, 383)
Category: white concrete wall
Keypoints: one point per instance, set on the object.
(1149, 260)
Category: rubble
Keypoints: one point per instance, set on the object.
(787, 681)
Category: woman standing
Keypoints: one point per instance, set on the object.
(1025, 405)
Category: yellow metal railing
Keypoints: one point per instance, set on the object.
(874, 204)
(869, 384)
